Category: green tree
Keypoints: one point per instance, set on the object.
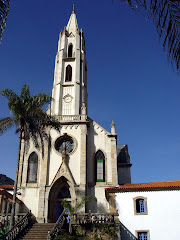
(166, 17)
(71, 210)
(4, 9)
(30, 121)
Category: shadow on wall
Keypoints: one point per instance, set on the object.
(126, 234)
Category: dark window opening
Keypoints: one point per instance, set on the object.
(140, 206)
(70, 51)
(68, 73)
(64, 193)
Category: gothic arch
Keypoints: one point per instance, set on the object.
(32, 170)
(70, 50)
(54, 193)
(101, 164)
(68, 73)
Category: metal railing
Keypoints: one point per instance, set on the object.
(18, 228)
(57, 228)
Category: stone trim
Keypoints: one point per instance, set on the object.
(145, 202)
(138, 231)
(38, 168)
(105, 160)
(74, 139)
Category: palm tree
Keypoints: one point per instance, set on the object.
(30, 121)
(4, 9)
(166, 17)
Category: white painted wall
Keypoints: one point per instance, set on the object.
(74, 160)
(163, 216)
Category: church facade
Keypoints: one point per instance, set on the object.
(83, 159)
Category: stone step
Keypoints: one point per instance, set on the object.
(38, 231)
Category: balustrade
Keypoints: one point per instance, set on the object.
(92, 218)
(18, 228)
(72, 118)
(5, 219)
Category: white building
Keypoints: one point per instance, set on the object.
(83, 159)
(148, 211)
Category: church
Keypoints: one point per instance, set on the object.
(83, 159)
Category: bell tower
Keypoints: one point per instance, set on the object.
(70, 75)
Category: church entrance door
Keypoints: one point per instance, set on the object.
(64, 194)
(58, 193)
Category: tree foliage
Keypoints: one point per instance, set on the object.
(166, 17)
(69, 209)
(28, 116)
(4, 9)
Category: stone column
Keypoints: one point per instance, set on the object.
(83, 154)
(42, 184)
(114, 161)
(21, 162)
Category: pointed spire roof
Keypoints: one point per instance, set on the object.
(72, 25)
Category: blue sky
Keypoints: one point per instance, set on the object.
(129, 78)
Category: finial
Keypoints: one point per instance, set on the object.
(112, 128)
(74, 7)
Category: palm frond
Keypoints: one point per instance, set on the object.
(41, 99)
(8, 93)
(166, 17)
(5, 124)
(25, 94)
(33, 122)
(4, 10)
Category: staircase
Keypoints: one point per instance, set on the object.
(38, 231)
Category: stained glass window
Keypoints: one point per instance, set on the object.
(64, 143)
(32, 168)
(100, 166)
(142, 236)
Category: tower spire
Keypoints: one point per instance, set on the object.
(72, 25)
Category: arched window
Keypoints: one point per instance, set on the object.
(70, 51)
(100, 166)
(32, 168)
(68, 73)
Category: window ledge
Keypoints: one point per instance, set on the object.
(32, 185)
(143, 213)
(101, 184)
(70, 59)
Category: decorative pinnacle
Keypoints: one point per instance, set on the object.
(74, 7)
(112, 128)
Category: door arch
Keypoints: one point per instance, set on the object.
(59, 191)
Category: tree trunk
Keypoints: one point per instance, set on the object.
(15, 186)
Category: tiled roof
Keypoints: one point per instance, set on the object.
(151, 186)
(7, 187)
